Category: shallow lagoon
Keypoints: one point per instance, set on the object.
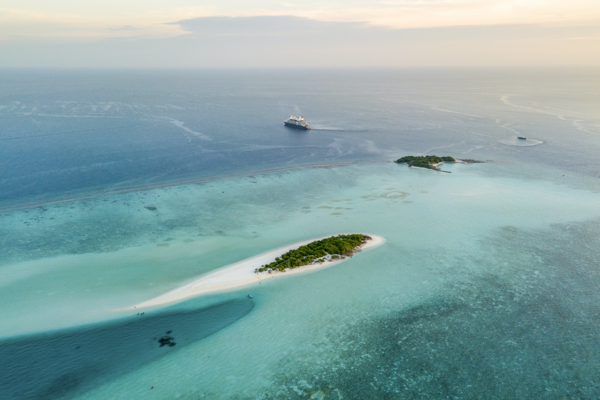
(460, 246)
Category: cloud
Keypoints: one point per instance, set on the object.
(289, 41)
(404, 14)
(72, 18)
(262, 26)
(582, 38)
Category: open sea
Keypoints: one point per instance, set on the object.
(117, 186)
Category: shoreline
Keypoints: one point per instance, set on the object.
(242, 274)
(435, 167)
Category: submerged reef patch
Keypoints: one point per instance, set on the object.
(519, 320)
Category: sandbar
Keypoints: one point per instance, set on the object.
(242, 274)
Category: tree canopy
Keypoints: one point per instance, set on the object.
(424, 161)
(334, 246)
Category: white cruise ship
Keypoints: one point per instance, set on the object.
(297, 122)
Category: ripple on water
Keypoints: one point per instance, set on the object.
(514, 141)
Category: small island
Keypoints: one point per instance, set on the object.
(311, 255)
(429, 162)
(319, 251)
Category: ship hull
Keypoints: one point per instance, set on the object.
(305, 128)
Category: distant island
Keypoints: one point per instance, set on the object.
(430, 162)
(329, 249)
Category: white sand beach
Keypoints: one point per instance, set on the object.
(242, 274)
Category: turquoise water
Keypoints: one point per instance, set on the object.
(486, 286)
(446, 234)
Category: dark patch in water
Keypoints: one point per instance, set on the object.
(68, 362)
(167, 341)
(61, 386)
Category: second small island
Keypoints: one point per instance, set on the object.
(429, 162)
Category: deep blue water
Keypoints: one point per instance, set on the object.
(70, 133)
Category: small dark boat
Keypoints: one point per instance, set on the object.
(521, 138)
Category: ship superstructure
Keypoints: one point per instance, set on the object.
(297, 122)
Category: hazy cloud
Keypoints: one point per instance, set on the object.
(92, 19)
(287, 41)
(263, 25)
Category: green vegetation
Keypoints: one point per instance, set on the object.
(424, 161)
(319, 250)
(471, 161)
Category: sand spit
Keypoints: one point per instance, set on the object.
(242, 274)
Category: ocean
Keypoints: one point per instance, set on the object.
(117, 186)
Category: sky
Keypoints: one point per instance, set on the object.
(292, 33)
